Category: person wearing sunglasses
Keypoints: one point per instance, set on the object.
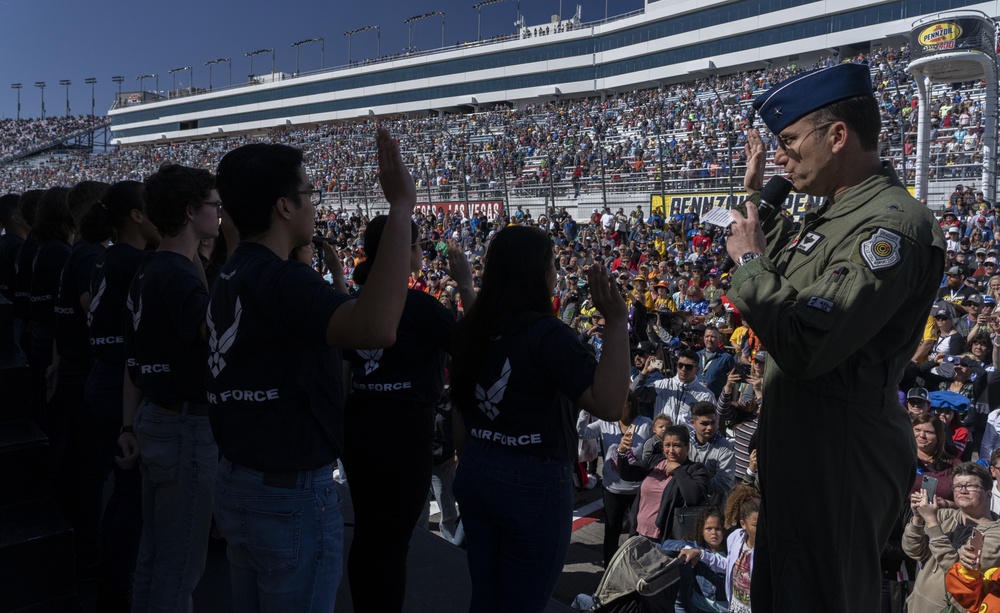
(674, 395)
(948, 341)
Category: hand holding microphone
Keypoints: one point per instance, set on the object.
(747, 230)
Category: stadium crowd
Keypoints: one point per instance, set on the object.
(19, 137)
(690, 135)
(696, 368)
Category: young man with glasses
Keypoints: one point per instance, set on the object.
(839, 301)
(274, 375)
(675, 395)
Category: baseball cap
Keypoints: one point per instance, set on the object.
(645, 347)
(714, 303)
(919, 393)
(973, 298)
(713, 272)
(953, 230)
(954, 270)
(760, 356)
(942, 308)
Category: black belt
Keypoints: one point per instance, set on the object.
(177, 408)
(286, 480)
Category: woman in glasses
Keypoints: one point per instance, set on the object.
(936, 532)
(948, 341)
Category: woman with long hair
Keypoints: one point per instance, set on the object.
(518, 380)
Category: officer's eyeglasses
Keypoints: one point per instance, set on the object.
(787, 142)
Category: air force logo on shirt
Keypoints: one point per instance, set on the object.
(219, 345)
(96, 301)
(489, 399)
(371, 357)
(136, 311)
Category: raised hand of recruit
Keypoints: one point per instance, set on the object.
(753, 180)
(458, 264)
(397, 183)
(605, 297)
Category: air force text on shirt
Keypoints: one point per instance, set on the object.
(243, 396)
(504, 439)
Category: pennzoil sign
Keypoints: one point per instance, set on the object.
(944, 32)
(960, 33)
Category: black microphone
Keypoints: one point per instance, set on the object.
(771, 199)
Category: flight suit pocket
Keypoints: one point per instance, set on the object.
(822, 303)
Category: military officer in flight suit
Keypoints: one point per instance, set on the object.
(839, 301)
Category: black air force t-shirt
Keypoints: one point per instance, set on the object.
(10, 244)
(526, 391)
(109, 287)
(274, 384)
(22, 278)
(45, 274)
(164, 311)
(412, 370)
(72, 341)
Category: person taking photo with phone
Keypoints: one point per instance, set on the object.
(933, 535)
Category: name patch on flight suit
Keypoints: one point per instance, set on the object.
(882, 250)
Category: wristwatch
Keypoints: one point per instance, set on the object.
(746, 258)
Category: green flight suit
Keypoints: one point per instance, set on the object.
(840, 306)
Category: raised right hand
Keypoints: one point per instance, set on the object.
(397, 183)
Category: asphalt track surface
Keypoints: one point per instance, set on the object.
(437, 572)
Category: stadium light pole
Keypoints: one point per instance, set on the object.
(41, 86)
(409, 25)
(251, 55)
(211, 63)
(91, 81)
(479, 15)
(378, 38)
(66, 82)
(306, 42)
(119, 80)
(17, 86)
(142, 79)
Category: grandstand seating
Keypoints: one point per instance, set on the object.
(688, 135)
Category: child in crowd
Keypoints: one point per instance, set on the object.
(660, 424)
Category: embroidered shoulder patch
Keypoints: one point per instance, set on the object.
(882, 250)
(821, 303)
(810, 240)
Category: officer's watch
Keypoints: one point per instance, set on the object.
(746, 258)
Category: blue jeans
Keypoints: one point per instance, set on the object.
(178, 456)
(286, 545)
(517, 511)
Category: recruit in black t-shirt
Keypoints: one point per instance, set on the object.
(22, 278)
(163, 344)
(526, 391)
(412, 370)
(72, 340)
(46, 270)
(109, 285)
(274, 384)
(10, 244)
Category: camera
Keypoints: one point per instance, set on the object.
(743, 370)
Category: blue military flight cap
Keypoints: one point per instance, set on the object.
(794, 98)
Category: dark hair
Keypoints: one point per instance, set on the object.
(8, 206)
(53, 219)
(940, 448)
(703, 408)
(681, 432)
(373, 236)
(514, 284)
(110, 214)
(168, 192)
(29, 205)
(82, 196)
(861, 114)
(702, 519)
(749, 507)
(251, 178)
(688, 355)
(974, 469)
(734, 504)
(994, 456)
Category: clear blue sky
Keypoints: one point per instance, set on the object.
(50, 40)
